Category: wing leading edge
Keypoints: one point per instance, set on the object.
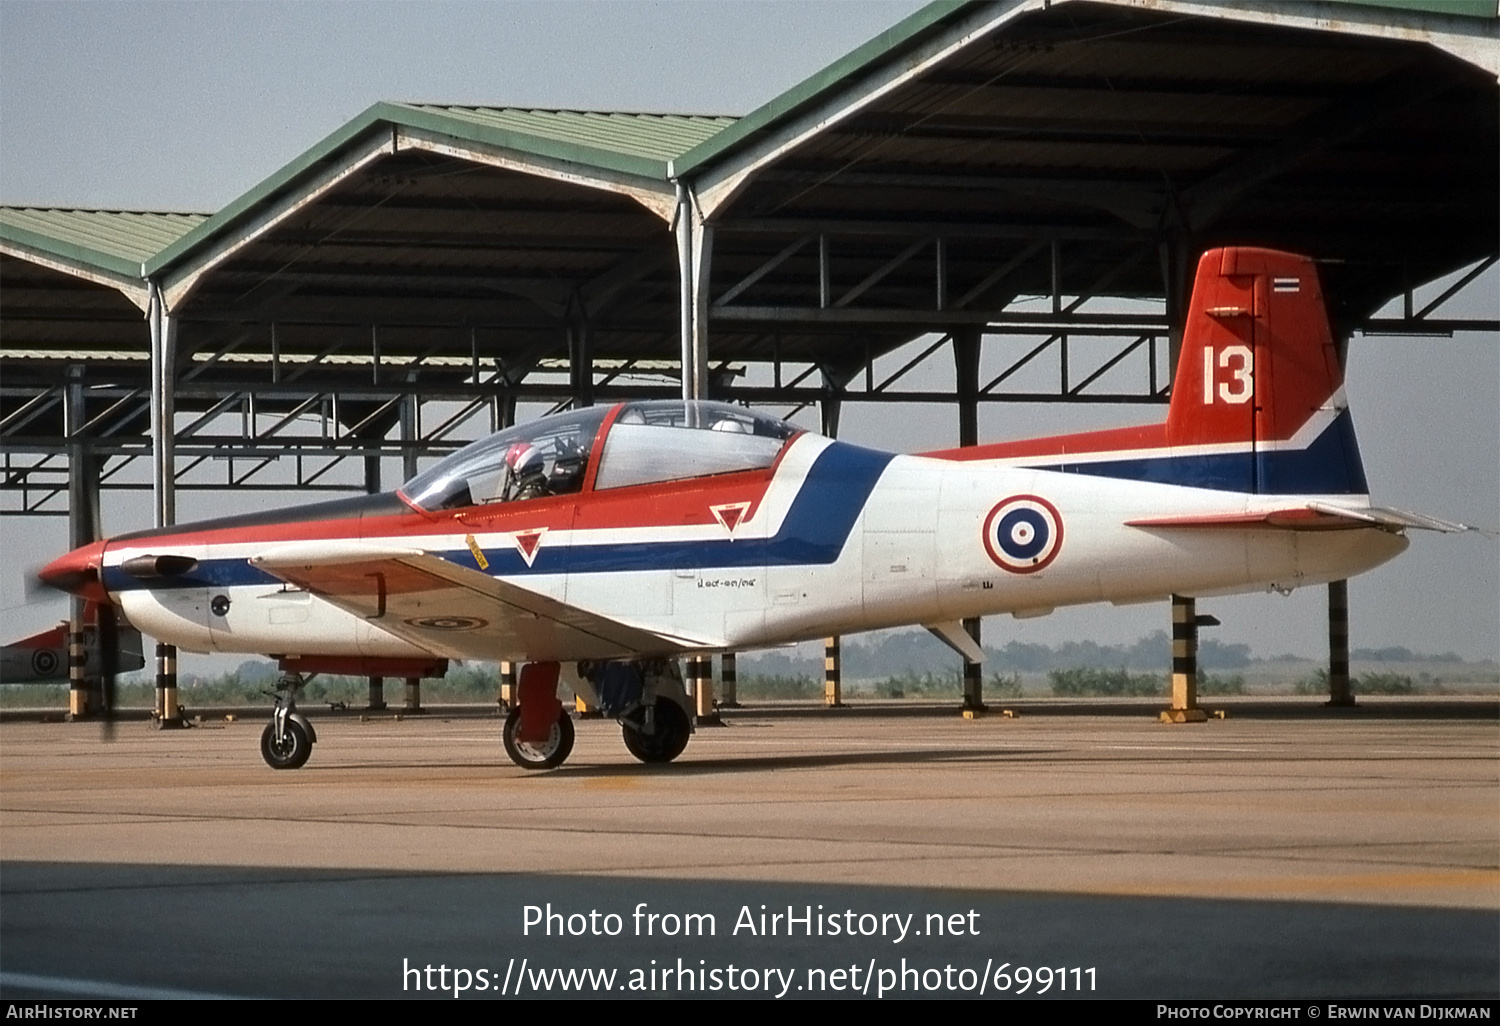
(450, 610)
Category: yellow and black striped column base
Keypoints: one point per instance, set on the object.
(78, 685)
(833, 676)
(1184, 663)
(168, 712)
(1340, 692)
(701, 679)
(729, 682)
(507, 695)
(413, 703)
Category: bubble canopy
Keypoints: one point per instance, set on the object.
(645, 443)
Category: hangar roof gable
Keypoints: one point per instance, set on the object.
(634, 145)
(1476, 17)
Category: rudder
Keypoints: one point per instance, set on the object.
(1258, 401)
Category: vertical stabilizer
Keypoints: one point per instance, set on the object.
(1258, 402)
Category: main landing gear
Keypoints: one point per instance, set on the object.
(287, 741)
(657, 733)
(546, 753)
(647, 698)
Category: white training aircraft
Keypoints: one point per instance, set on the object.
(623, 537)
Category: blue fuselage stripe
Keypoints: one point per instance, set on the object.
(1329, 466)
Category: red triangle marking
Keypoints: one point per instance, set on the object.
(527, 542)
(730, 514)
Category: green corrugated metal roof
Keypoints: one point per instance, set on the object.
(904, 32)
(1463, 8)
(111, 240)
(651, 136)
(632, 144)
(894, 38)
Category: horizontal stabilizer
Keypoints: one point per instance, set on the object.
(1314, 516)
(1394, 518)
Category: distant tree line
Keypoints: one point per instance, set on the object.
(881, 656)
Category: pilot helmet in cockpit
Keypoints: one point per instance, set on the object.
(527, 477)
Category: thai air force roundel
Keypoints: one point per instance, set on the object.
(1023, 533)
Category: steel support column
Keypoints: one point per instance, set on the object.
(694, 256)
(414, 695)
(164, 476)
(833, 682)
(1339, 691)
(410, 432)
(82, 530)
(377, 694)
(1176, 288)
(580, 356)
(966, 351)
(1184, 663)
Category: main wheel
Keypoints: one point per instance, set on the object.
(539, 755)
(669, 739)
(291, 751)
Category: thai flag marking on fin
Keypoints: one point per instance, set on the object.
(1286, 284)
(730, 515)
(527, 543)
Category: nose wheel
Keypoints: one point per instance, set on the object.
(539, 755)
(287, 741)
(290, 750)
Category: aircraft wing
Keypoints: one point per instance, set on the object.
(453, 611)
(1314, 516)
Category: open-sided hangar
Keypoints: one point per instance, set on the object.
(975, 153)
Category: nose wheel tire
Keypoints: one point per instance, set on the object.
(539, 755)
(669, 738)
(291, 752)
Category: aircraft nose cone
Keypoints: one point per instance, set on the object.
(78, 573)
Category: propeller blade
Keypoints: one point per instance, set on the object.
(108, 622)
(35, 590)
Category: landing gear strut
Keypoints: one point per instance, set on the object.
(287, 741)
(538, 731)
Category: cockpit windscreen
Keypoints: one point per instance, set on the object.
(544, 457)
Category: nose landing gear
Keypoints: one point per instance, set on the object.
(287, 741)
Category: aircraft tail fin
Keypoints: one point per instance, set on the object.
(1258, 403)
(1258, 400)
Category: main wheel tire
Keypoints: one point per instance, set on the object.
(291, 752)
(670, 738)
(539, 755)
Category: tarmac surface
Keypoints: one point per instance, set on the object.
(1285, 851)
